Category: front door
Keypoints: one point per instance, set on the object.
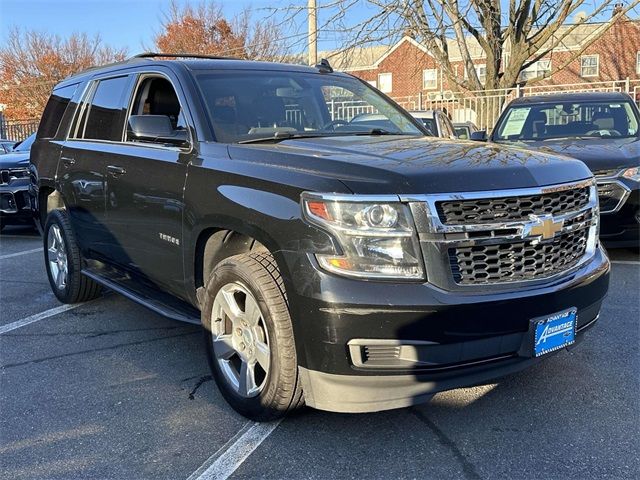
(144, 188)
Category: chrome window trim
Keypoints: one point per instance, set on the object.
(83, 101)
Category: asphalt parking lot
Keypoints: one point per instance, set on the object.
(110, 390)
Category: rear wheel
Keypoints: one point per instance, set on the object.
(64, 262)
(249, 337)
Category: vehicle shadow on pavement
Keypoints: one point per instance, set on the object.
(570, 416)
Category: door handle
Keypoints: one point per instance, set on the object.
(115, 170)
(68, 161)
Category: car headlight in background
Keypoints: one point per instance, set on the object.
(632, 174)
(377, 238)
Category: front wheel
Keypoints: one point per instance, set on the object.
(249, 337)
(64, 262)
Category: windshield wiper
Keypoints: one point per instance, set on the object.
(570, 137)
(376, 131)
(279, 136)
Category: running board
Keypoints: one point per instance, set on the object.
(162, 303)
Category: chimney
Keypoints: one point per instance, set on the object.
(617, 8)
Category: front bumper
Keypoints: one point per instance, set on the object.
(461, 339)
(16, 201)
(620, 220)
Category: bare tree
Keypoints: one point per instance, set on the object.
(32, 62)
(204, 29)
(510, 36)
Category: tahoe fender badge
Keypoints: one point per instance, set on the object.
(169, 238)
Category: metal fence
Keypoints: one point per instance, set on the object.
(17, 130)
(484, 107)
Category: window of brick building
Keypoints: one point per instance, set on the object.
(430, 79)
(638, 63)
(385, 82)
(590, 65)
(538, 69)
(481, 71)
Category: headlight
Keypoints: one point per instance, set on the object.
(377, 239)
(632, 174)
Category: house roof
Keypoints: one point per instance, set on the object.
(355, 58)
(369, 57)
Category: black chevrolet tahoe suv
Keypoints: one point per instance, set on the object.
(348, 266)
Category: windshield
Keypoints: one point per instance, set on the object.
(25, 145)
(568, 120)
(250, 105)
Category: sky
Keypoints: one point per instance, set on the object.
(120, 23)
(133, 23)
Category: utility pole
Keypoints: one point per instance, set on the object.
(313, 32)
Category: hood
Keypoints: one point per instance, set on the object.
(598, 153)
(14, 160)
(414, 165)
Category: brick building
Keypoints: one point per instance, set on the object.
(408, 69)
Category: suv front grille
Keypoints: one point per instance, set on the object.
(10, 174)
(518, 261)
(492, 210)
(521, 235)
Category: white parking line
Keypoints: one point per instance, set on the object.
(227, 459)
(626, 262)
(38, 316)
(17, 254)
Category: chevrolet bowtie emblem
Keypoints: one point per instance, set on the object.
(543, 226)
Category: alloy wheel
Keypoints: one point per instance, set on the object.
(240, 339)
(57, 257)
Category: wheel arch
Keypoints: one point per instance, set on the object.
(215, 244)
(48, 199)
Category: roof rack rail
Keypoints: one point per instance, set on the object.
(181, 55)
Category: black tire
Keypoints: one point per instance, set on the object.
(77, 287)
(258, 272)
(2, 224)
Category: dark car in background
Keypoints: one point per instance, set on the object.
(15, 199)
(436, 122)
(602, 130)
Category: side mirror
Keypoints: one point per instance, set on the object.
(479, 136)
(155, 128)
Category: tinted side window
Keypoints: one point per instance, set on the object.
(106, 114)
(54, 111)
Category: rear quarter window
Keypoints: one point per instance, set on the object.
(106, 112)
(54, 111)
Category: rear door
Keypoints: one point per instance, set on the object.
(88, 149)
(145, 183)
